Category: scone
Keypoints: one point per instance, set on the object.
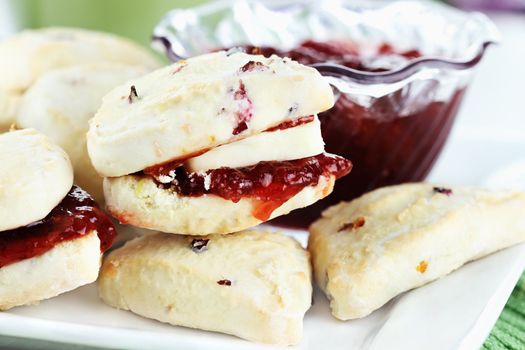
(252, 284)
(51, 233)
(25, 56)
(393, 239)
(60, 103)
(215, 144)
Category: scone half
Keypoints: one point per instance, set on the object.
(367, 251)
(193, 106)
(141, 201)
(255, 285)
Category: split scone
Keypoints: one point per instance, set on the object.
(215, 144)
(60, 104)
(367, 251)
(252, 284)
(26, 56)
(51, 233)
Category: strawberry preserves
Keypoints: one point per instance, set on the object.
(74, 217)
(270, 183)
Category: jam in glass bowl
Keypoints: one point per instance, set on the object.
(399, 71)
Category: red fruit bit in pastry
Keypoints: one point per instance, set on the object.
(271, 183)
(76, 216)
(443, 190)
(224, 282)
(357, 223)
(253, 66)
(245, 113)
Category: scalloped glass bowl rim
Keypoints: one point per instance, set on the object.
(399, 74)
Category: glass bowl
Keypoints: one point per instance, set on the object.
(399, 71)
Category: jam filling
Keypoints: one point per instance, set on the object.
(74, 217)
(271, 183)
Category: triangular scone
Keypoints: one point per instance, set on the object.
(252, 284)
(393, 239)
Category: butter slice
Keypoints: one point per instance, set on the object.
(293, 143)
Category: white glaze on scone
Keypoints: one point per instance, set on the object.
(252, 284)
(405, 236)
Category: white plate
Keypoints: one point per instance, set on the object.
(456, 312)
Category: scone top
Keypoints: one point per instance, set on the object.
(195, 105)
(34, 177)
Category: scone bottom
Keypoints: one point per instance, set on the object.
(271, 183)
(75, 216)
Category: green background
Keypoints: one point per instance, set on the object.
(131, 18)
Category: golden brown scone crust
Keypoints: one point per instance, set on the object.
(252, 284)
(367, 251)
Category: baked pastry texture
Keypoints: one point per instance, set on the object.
(25, 56)
(60, 104)
(35, 176)
(136, 200)
(367, 251)
(65, 267)
(252, 284)
(195, 105)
